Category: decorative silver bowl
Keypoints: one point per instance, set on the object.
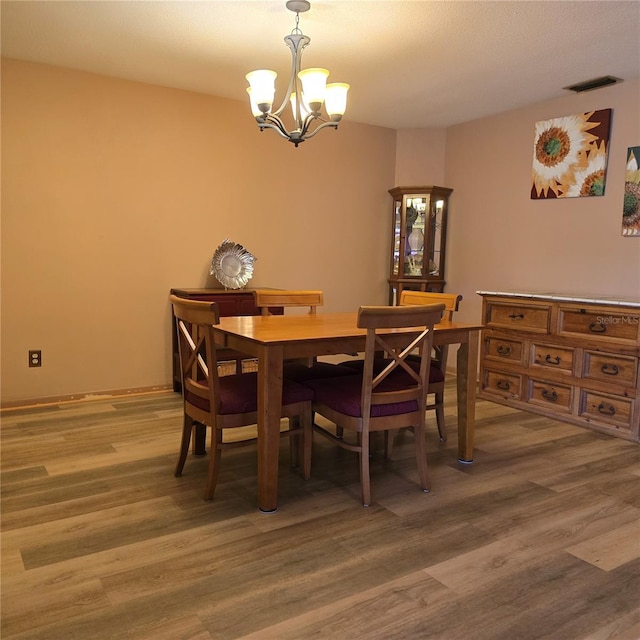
(232, 265)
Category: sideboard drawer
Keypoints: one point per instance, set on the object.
(519, 316)
(506, 385)
(550, 394)
(605, 408)
(607, 367)
(503, 349)
(609, 325)
(552, 357)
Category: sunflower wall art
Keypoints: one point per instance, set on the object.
(631, 206)
(570, 156)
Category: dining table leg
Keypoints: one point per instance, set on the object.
(269, 412)
(467, 367)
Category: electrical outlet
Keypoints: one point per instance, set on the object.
(35, 358)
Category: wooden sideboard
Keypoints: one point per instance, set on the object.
(575, 359)
(231, 302)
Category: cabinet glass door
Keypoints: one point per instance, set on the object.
(435, 238)
(414, 246)
(397, 236)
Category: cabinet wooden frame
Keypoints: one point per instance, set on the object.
(573, 359)
(434, 241)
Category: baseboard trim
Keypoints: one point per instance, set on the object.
(28, 403)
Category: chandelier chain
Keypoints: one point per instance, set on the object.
(297, 30)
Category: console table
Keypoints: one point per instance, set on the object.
(231, 302)
(572, 358)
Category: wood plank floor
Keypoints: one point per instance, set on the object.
(539, 538)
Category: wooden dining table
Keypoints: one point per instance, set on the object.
(274, 339)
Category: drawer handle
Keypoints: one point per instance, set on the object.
(597, 327)
(516, 316)
(504, 350)
(610, 369)
(552, 359)
(505, 385)
(606, 409)
(549, 395)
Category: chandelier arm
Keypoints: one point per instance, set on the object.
(275, 128)
(304, 126)
(273, 122)
(334, 125)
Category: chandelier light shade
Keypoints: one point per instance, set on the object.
(307, 92)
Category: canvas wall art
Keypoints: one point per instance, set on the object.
(570, 156)
(631, 206)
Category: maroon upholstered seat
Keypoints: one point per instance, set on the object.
(239, 394)
(435, 373)
(344, 394)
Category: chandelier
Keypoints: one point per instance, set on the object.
(307, 91)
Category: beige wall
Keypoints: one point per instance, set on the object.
(113, 192)
(501, 240)
(420, 155)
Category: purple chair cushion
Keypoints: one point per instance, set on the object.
(435, 374)
(344, 394)
(239, 394)
(301, 373)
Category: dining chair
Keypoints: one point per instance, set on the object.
(438, 369)
(266, 298)
(299, 370)
(227, 402)
(385, 400)
(438, 374)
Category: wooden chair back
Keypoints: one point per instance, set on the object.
(451, 301)
(417, 382)
(198, 360)
(266, 298)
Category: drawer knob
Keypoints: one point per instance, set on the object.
(610, 369)
(606, 409)
(597, 327)
(516, 316)
(549, 395)
(504, 350)
(505, 385)
(552, 359)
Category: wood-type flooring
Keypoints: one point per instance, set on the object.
(538, 539)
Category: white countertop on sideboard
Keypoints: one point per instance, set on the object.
(559, 297)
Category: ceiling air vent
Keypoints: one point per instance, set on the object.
(596, 83)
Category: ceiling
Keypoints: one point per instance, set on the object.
(411, 64)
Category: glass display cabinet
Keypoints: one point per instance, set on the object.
(418, 239)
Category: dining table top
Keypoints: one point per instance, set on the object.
(319, 326)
